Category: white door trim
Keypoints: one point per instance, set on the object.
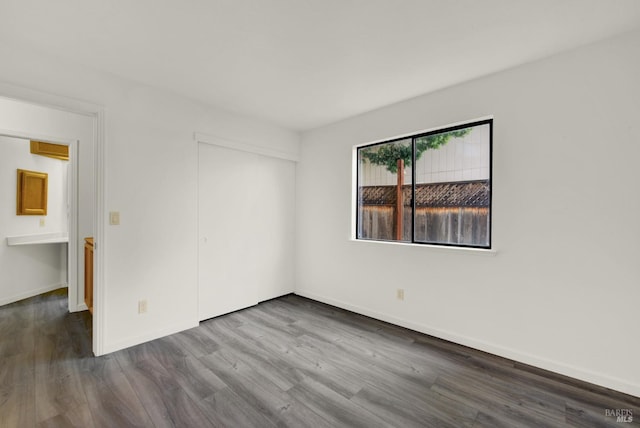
(244, 147)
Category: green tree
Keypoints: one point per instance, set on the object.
(388, 154)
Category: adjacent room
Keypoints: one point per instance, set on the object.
(34, 259)
(321, 213)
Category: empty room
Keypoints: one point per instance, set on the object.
(337, 213)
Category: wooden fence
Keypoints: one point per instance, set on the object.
(452, 213)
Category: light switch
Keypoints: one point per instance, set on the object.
(114, 218)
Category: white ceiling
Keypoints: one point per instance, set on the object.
(305, 63)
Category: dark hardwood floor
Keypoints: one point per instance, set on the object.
(286, 362)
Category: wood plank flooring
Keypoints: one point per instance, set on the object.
(288, 362)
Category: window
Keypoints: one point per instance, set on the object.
(429, 188)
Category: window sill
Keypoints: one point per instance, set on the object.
(435, 248)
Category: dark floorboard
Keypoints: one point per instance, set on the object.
(288, 362)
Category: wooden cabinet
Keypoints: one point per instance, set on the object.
(88, 273)
(56, 151)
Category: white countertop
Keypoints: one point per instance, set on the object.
(40, 238)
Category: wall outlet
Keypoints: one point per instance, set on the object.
(42, 222)
(400, 293)
(142, 306)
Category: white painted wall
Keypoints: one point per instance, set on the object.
(32, 269)
(151, 179)
(27, 119)
(562, 291)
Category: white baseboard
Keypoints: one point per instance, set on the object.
(133, 341)
(30, 293)
(81, 307)
(512, 354)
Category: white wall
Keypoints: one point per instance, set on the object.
(32, 269)
(562, 291)
(151, 178)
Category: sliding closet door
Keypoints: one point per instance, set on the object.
(246, 223)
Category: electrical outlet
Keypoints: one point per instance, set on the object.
(42, 222)
(142, 306)
(400, 294)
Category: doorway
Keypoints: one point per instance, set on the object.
(78, 125)
(37, 257)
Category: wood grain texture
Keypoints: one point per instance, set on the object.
(288, 362)
(56, 151)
